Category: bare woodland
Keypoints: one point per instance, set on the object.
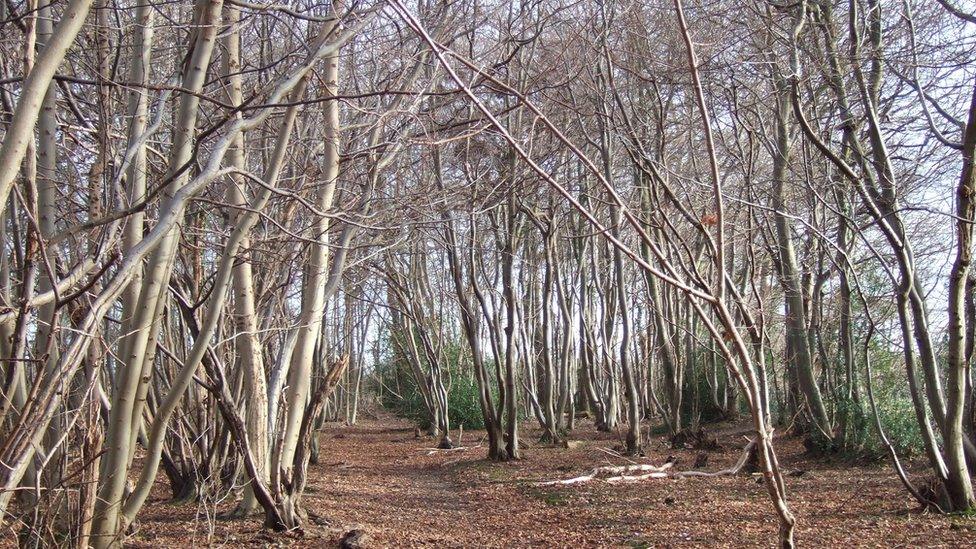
(226, 224)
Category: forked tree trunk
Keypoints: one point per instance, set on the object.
(122, 422)
(959, 483)
(250, 358)
(317, 271)
(801, 357)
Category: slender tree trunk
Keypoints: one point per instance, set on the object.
(959, 484)
(313, 287)
(31, 100)
(154, 290)
(800, 356)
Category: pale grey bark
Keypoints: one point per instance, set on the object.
(20, 130)
(801, 358)
(125, 413)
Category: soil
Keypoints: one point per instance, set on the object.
(398, 491)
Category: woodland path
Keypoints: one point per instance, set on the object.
(377, 476)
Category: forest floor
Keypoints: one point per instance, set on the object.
(378, 477)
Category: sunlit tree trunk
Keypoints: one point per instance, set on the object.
(19, 132)
(250, 358)
(317, 271)
(801, 357)
(959, 484)
(154, 291)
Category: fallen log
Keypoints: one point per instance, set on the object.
(432, 451)
(748, 455)
(617, 474)
(638, 472)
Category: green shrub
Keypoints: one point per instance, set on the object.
(463, 403)
(699, 387)
(860, 433)
(463, 406)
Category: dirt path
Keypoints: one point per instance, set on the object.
(386, 483)
(378, 477)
